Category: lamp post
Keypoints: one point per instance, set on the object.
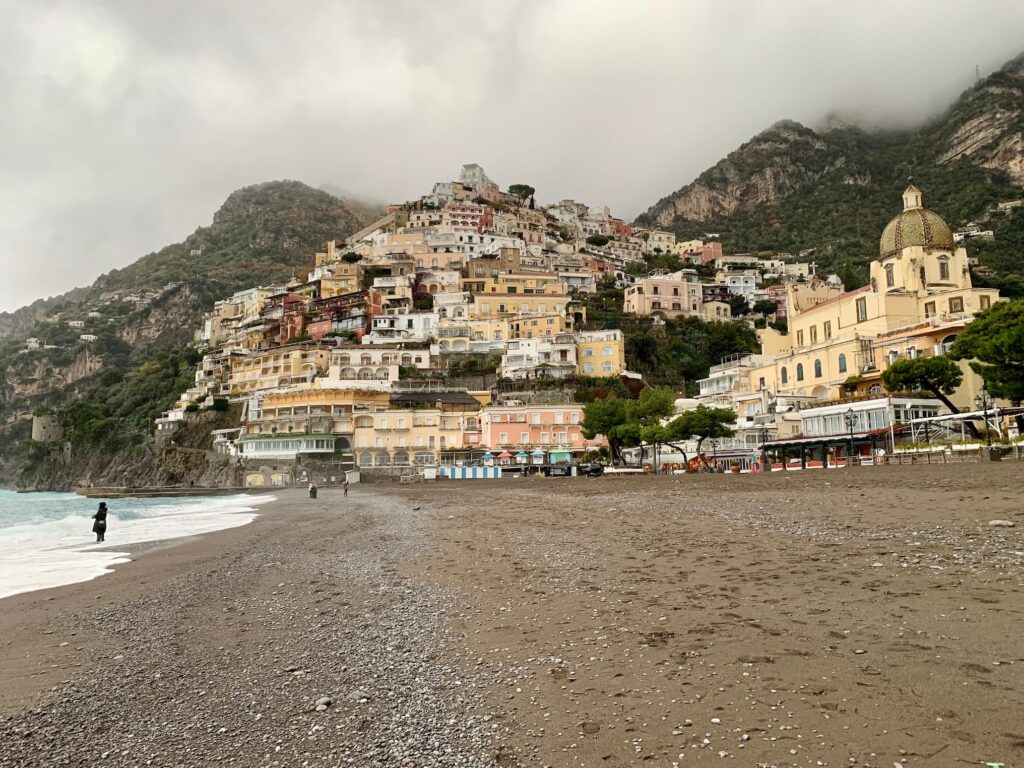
(982, 402)
(714, 453)
(851, 420)
(764, 451)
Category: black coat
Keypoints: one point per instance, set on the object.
(101, 521)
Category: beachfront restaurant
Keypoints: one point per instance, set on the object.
(830, 432)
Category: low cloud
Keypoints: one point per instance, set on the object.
(126, 124)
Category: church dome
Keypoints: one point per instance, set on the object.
(915, 225)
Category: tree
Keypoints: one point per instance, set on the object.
(523, 191)
(738, 305)
(765, 307)
(994, 344)
(604, 417)
(597, 240)
(702, 423)
(937, 375)
(623, 422)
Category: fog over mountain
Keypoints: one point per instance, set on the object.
(127, 123)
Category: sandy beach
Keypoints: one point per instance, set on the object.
(865, 617)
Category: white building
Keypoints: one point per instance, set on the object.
(403, 326)
(545, 357)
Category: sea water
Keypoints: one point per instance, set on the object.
(46, 539)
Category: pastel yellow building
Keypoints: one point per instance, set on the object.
(290, 365)
(510, 304)
(920, 296)
(600, 353)
(539, 325)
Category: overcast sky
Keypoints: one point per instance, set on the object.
(124, 125)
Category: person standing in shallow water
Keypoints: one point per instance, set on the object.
(99, 527)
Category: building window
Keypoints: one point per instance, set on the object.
(799, 371)
(606, 367)
(929, 309)
(943, 269)
(956, 304)
(890, 276)
(827, 329)
(785, 375)
(503, 438)
(817, 369)
(524, 438)
(842, 363)
(799, 338)
(760, 383)
(814, 334)
(984, 302)
(862, 310)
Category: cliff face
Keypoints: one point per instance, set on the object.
(793, 188)
(148, 465)
(768, 168)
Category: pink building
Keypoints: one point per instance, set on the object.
(710, 251)
(529, 427)
(468, 216)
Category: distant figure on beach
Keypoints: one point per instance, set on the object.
(312, 490)
(100, 526)
(344, 487)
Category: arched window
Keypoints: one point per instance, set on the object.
(842, 363)
(817, 369)
(383, 459)
(343, 360)
(799, 371)
(875, 389)
(365, 459)
(785, 375)
(401, 458)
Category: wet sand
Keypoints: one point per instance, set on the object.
(862, 617)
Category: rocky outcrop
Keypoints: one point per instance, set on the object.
(984, 128)
(37, 377)
(149, 465)
(768, 168)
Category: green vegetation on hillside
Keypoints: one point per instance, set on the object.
(675, 354)
(263, 234)
(796, 189)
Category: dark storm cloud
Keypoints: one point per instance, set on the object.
(126, 124)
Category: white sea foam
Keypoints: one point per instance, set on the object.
(41, 546)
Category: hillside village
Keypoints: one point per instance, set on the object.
(453, 331)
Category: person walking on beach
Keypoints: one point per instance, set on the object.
(312, 490)
(344, 487)
(100, 526)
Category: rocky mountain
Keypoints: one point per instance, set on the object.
(118, 343)
(793, 188)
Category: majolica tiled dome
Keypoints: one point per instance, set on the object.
(915, 226)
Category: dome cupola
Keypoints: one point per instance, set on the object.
(915, 225)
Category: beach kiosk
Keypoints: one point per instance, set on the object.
(488, 459)
(504, 459)
(537, 457)
(559, 456)
(522, 458)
